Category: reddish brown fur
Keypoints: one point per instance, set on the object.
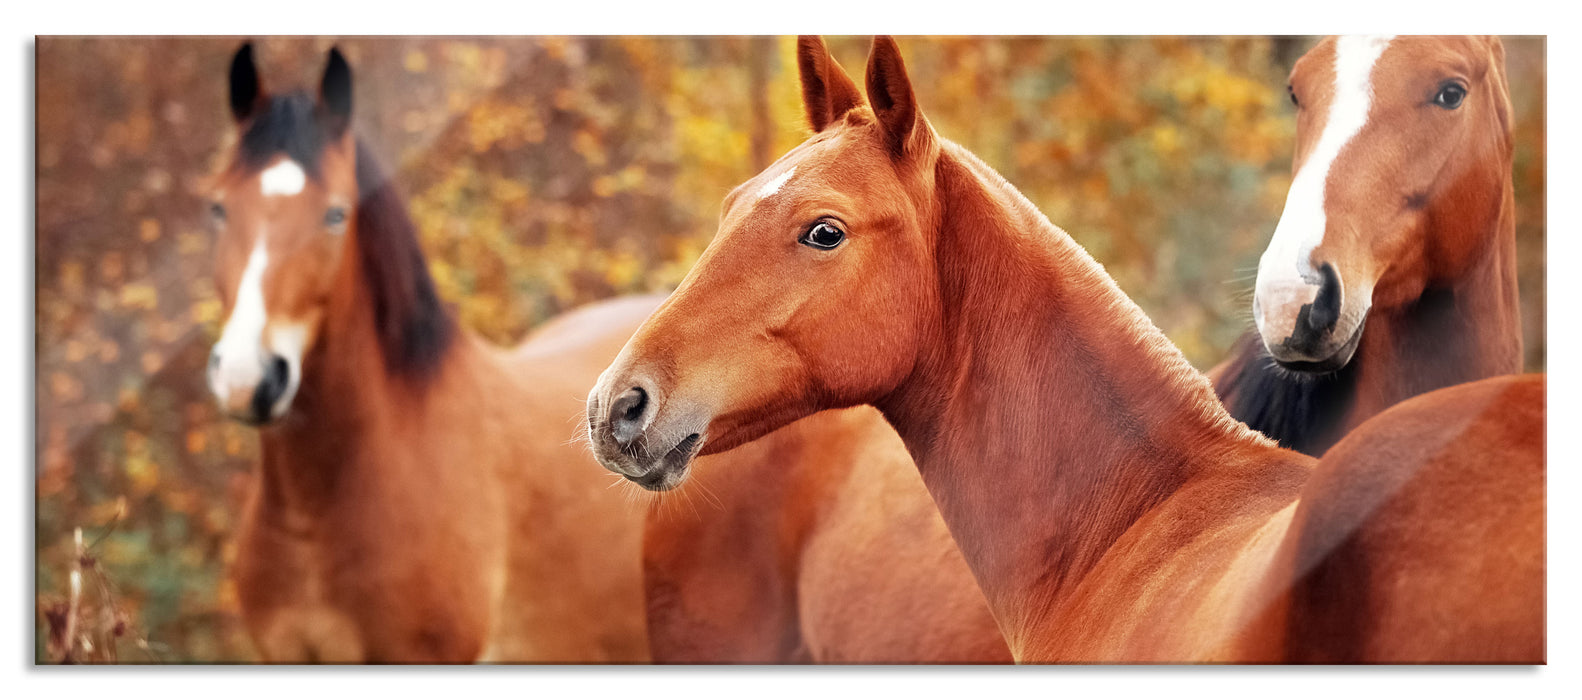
(442, 513)
(1417, 519)
(821, 544)
(816, 543)
(459, 525)
(1420, 219)
(1108, 506)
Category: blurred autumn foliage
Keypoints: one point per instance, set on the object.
(545, 173)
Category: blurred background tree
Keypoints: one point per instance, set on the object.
(545, 173)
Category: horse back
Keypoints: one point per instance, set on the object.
(1421, 536)
(573, 591)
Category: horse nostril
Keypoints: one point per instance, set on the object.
(626, 415)
(1326, 306)
(276, 375)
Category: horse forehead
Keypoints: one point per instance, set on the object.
(772, 186)
(283, 178)
(799, 163)
(1431, 50)
(1317, 64)
(1407, 67)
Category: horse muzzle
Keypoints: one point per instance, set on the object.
(633, 436)
(1306, 326)
(255, 390)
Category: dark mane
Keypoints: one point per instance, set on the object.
(1297, 411)
(413, 326)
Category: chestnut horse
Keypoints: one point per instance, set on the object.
(418, 498)
(823, 547)
(816, 543)
(1400, 218)
(1108, 506)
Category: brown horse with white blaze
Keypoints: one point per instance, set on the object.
(1109, 507)
(1401, 221)
(418, 498)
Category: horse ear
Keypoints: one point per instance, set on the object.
(246, 90)
(827, 92)
(890, 93)
(335, 94)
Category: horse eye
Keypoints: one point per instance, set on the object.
(1450, 95)
(823, 236)
(216, 211)
(335, 216)
(1291, 91)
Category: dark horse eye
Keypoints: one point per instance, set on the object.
(1450, 95)
(216, 211)
(335, 216)
(1291, 91)
(823, 236)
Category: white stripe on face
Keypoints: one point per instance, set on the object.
(239, 365)
(284, 178)
(1285, 272)
(774, 185)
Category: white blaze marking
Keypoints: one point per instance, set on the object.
(774, 185)
(240, 366)
(283, 178)
(1285, 272)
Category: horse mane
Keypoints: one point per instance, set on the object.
(1297, 411)
(1186, 385)
(413, 327)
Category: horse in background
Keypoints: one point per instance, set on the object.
(1400, 218)
(1109, 507)
(418, 498)
(814, 544)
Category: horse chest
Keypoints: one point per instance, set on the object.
(285, 598)
(346, 599)
(308, 632)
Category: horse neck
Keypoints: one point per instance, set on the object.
(1050, 414)
(346, 404)
(1469, 324)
